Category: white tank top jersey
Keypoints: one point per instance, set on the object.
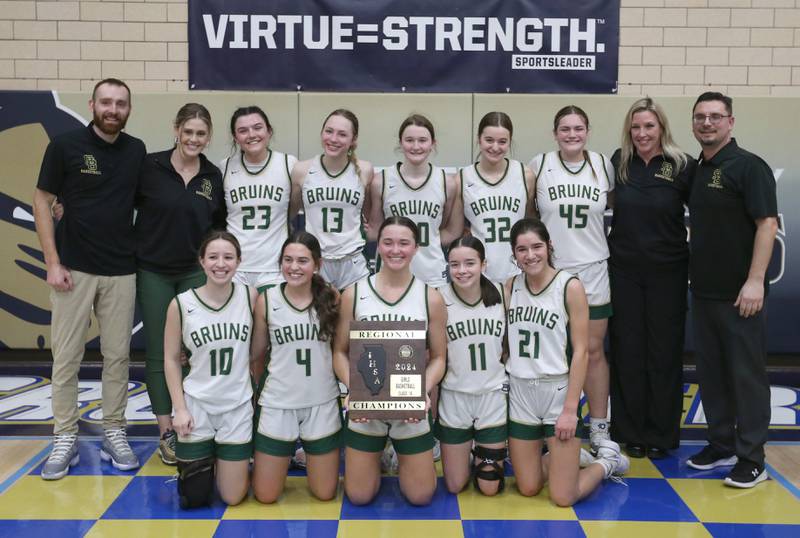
(538, 329)
(332, 206)
(474, 344)
(571, 204)
(491, 211)
(218, 343)
(258, 208)
(300, 368)
(369, 305)
(425, 206)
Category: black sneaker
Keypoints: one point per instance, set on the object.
(709, 458)
(746, 474)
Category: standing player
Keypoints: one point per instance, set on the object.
(390, 295)
(213, 408)
(472, 400)
(294, 328)
(422, 192)
(258, 188)
(573, 189)
(548, 325)
(334, 188)
(495, 193)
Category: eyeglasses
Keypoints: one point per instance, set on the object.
(713, 118)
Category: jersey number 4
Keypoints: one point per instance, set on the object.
(304, 359)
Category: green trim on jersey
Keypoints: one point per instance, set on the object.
(387, 303)
(602, 311)
(221, 308)
(543, 289)
(568, 346)
(355, 298)
(566, 168)
(265, 287)
(499, 181)
(291, 188)
(257, 172)
(541, 166)
(444, 190)
(400, 175)
(462, 300)
(322, 164)
(292, 306)
(524, 183)
(427, 314)
(288, 172)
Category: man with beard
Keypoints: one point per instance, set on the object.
(733, 211)
(90, 258)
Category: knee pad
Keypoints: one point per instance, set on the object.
(196, 482)
(489, 468)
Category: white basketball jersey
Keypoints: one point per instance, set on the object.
(258, 208)
(424, 205)
(492, 209)
(300, 368)
(332, 206)
(571, 204)
(218, 342)
(538, 329)
(474, 344)
(369, 305)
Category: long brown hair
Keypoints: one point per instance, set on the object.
(489, 293)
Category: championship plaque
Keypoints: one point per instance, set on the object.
(387, 369)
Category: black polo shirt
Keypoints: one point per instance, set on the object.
(173, 217)
(648, 228)
(96, 183)
(730, 191)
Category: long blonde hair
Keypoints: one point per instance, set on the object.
(669, 148)
(351, 151)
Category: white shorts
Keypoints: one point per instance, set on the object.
(278, 429)
(480, 411)
(342, 272)
(537, 401)
(407, 437)
(594, 277)
(226, 435)
(258, 280)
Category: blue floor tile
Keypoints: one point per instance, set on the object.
(638, 499)
(156, 497)
(390, 504)
(277, 529)
(675, 465)
(44, 529)
(739, 530)
(521, 529)
(91, 465)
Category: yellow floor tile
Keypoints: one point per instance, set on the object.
(296, 503)
(637, 529)
(399, 529)
(712, 501)
(146, 528)
(643, 468)
(72, 497)
(155, 467)
(511, 505)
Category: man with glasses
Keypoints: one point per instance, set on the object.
(733, 213)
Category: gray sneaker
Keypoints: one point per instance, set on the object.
(117, 450)
(63, 456)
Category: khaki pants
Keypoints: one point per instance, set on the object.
(112, 298)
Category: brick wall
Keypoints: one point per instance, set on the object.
(667, 47)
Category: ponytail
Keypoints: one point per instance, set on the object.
(490, 295)
(324, 303)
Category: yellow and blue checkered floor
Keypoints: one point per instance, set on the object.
(658, 498)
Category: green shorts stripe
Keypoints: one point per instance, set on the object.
(194, 451)
(530, 432)
(496, 434)
(452, 436)
(324, 445)
(602, 311)
(235, 451)
(414, 445)
(274, 447)
(363, 442)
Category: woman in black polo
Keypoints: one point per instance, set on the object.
(648, 272)
(179, 200)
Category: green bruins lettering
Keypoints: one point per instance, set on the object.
(253, 192)
(407, 208)
(532, 314)
(472, 327)
(495, 203)
(586, 192)
(296, 333)
(387, 317)
(220, 331)
(333, 194)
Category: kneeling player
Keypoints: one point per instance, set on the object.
(213, 408)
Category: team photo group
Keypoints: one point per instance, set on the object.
(247, 315)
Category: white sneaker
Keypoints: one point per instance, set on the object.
(63, 456)
(611, 457)
(586, 458)
(597, 433)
